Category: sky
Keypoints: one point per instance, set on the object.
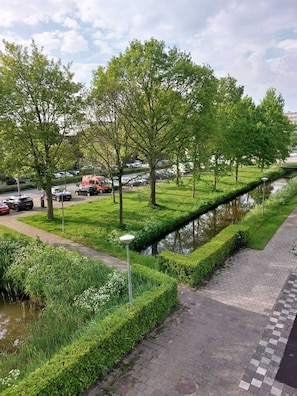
(254, 41)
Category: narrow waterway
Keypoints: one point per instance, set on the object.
(15, 316)
(202, 229)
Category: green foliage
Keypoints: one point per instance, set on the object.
(43, 105)
(37, 266)
(277, 208)
(176, 206)
(9, 245)
(273, 130)
(195, 267)
(103, 343)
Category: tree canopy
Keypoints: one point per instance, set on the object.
(42, 107)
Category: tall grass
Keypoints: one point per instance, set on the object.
(56, 279)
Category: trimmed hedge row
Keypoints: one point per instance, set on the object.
(195, 267)
(80, 364)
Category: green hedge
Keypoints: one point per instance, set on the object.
(80, 364)
(195, 267)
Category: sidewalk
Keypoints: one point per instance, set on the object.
(12, 222)
(227, 338)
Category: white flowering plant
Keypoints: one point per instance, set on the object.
(10, 379)
(94, 300)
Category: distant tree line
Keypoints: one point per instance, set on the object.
(150, 102)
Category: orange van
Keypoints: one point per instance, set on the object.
(99, 182)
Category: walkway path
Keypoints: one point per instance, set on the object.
(227, 338)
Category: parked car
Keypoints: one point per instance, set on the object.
(19, 202)
(135, 164)
(86, 190)
(4, 209)
(100, 182)
(10, 181)
(135, 181)
(66, 174)
(74, 172)
(115, 183)
(59, 193)
(57, 175)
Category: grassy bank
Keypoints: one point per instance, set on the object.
(276, 209)
(95, 224)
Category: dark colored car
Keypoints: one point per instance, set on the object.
(19, 202)
(10, 181)
(86, 190)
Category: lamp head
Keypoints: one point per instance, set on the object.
(127, 239)
(264, 179)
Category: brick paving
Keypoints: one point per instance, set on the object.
(226, 338)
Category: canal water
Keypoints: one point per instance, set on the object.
(202, 229)
(15, 316)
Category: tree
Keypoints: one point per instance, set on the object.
(273, 130)
(42, 108)
(155, 85)
(227, 98)
(240, 132)
(200, 122)
(106, 137)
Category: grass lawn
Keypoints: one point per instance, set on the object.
(95, 224)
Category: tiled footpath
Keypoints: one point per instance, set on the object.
(227, 338)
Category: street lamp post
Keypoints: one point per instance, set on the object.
(127, 239)
(264, 180)
(63, 222)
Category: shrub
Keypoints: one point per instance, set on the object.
(195, 267)
(103, 344)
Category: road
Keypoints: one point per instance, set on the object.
(35, 194)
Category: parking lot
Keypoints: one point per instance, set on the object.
(35, 194)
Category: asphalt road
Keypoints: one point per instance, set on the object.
(35, 194)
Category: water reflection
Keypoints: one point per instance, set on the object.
(202, 229)
(15, 316)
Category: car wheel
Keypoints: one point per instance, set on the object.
(16, 208)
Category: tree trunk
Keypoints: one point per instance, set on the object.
(153, 186)
(121, 214)
(236, 171)
(48, 190)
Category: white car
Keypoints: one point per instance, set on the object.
(57, 175)
(66, 174)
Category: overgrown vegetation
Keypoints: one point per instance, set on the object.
(73, 290)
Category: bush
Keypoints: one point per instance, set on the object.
(104, 343)
(195, 267)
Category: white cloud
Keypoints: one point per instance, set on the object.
(253, 41)
(72, 42)
(68, 42)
